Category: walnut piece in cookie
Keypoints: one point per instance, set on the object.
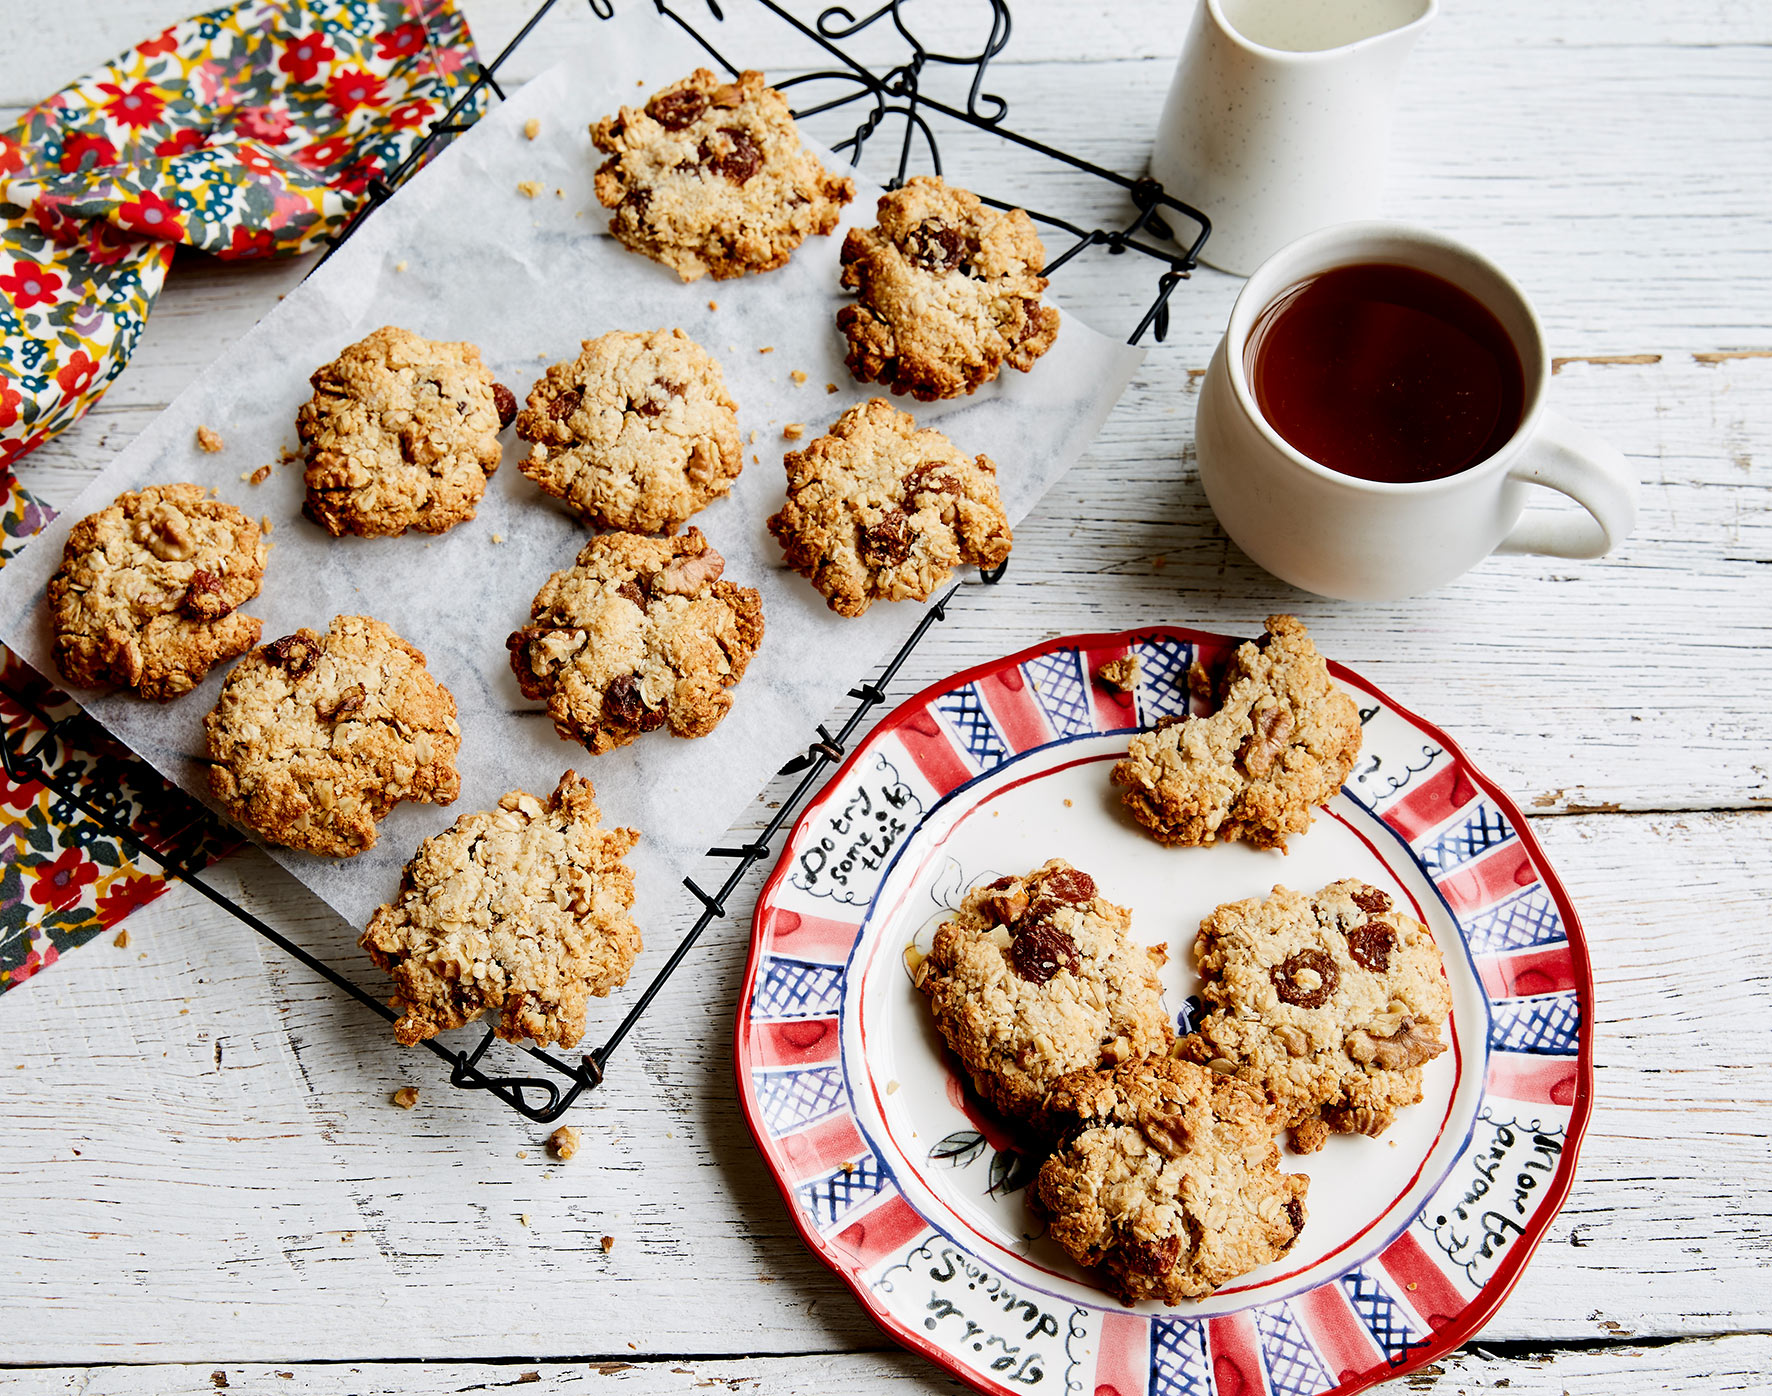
(638, 432)
(638, 634)
(316, 737)
(520, 911)
(1034, 977)
(880, 510)
(1282, 741)
(1328, 1004)
(402, 432)
(1167, 1179)
(709, 178)
(146, 594)
(947, 292)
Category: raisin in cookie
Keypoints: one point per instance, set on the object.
(1328, 1004)
(948, 291)
(1034, 977)
(402, 432)
(639, 633)
(520, 911)
(878, 510)
(146, 593)
(1282, 741)
(316, 737)
(1168, 1179)
(638, 432)
(709, 177)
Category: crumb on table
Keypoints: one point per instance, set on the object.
(563, 1142)
(210, 440)
(608, 1244)
(122, 940)
(406, 1097)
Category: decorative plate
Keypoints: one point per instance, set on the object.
(913, 1194)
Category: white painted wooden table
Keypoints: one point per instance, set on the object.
(201, 1180)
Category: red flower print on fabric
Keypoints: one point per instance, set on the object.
(249, 242)
(133, 106)
(152, 48)
(188, 139)
(153, 216)
(84, 149)
(31, 285)
(77, 374)
(10, 398)
(266, 124)
(414, 113)
(401, 42)
(323, 153)
(59, 884)
(303, 58)
(18, 797)
(109, 244)
(353, 88)
(125, 895)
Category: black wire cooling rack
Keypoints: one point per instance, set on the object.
(884, 104)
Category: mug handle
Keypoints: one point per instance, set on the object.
(1567, 457)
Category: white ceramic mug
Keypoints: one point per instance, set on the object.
(1369, 540)
(1278, 119)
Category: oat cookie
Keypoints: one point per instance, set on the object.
(709, 177)
(316, 737)
(146, 594)
(1328, 1004)
(638, 432)
(1282, 741)
(402, 432)
(1034, 977)
(1168, 1179)
(638, 634)
(520, 911)
(948, 291)
(878, 510)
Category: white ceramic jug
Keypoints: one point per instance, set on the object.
(1278, 118)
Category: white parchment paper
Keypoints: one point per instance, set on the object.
(460, 253)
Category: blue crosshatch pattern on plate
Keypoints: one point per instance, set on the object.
(790, 1099)
(964, 710)
(1549, 1026)
(830, 1197)
(1061, 691)
(1162, 677)
(1293, 1368)
(1484, 829)
(1383, 1316)
(1529, 918)
(1178, 1358)
(795, 989)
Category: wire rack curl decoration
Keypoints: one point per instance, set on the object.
(878, 101)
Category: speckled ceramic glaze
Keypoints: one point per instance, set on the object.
(1278, 119)
(915, 1195)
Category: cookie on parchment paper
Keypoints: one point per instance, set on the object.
(638, 432)
(316, 737)
(1167, 1179)
(1282, 741)
(947, 292)
(638, 634)
(401, 432)
(519, 911)
(1328, 1004)
(709, 177)
(1035, 977)
(879, 509)
(147, 593)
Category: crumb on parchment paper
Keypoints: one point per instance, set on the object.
(259, 476)
(794, 430)
(798, 375)
(529, 188)
(532, 128)
(830, 387)
(210, 440)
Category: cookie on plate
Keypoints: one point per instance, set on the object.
(638, 634)
(1282, 741)
(1328, 1004)
(709, 177)
(316, 737)
(947, 292)
(1035, 977)
(521, 911)
(879, 509)
(638, 432)
(1167, 1179)
(402, 432)
(146, 593)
